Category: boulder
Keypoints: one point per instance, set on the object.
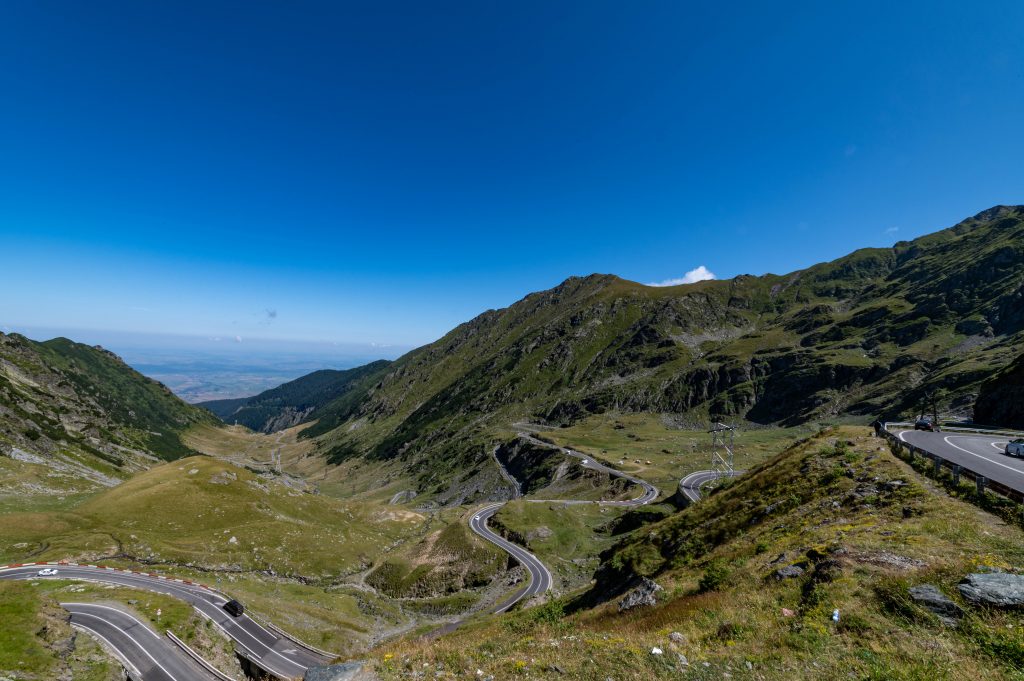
(1000, 589)
(333, 672)
(930, 598)
(641, 595)
(788, 572)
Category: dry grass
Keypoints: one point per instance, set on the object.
(859, 558)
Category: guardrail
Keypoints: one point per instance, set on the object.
(981, 482)
(965, 428)
(198, 658)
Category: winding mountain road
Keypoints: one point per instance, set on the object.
(691, 485)
(540, 577)
(278, 654)
(649, 494)
(140, 648)
(154, 659)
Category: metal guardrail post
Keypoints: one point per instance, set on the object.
(938, 465)
(956, 474)
(980, 482)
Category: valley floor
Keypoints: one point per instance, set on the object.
(365, 577)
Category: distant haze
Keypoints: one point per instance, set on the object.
(200, 368)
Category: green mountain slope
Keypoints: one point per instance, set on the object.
(747, 581)
(1001, 399)
(82, 406)
(306, 398)
(870, 333)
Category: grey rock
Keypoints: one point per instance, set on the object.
(641, 595)
(1000, 589)
(676, 637)
(334, 672)
(929, 597)
(788, 572)
(542, 532)
(681, 660)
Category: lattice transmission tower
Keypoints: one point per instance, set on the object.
(722, 443)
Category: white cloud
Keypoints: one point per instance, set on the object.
(892, 230)
(238, 339)
(700, 273)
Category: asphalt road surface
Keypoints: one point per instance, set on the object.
(983, 454)
(540, 576)
(144, 650)
(691, 484)
(276, 653)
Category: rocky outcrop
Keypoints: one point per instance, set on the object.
(348, 671)
(788, 572)
(1001, 399)
(999, 589)
(930, 598)
(643, 594)
(536, 465)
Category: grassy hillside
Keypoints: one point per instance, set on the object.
(59, 390)
(38, 643)
(860, 525)
(239, 521)
(75, 418)
(317, 565)
(872, 333)
(304, 399)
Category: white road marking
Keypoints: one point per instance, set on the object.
(132, 639)
(113, 649)
(1009, 468)
(122, 612)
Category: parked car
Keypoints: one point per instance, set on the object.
(234, 608)
(1015, 447)
(47, 572)
(926, 424)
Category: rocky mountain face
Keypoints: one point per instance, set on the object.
(546, 472)
(308, 398)
(869, 334)
(1001, 399)
(83, 411)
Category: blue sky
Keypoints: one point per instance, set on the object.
(379, 172)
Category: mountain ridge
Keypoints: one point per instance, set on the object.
(84, 414)
(871, 333)
(304, 399)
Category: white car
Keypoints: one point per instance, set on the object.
(1015, 447)
(47, 572)
(584, 462)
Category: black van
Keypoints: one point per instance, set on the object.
(234, 608)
